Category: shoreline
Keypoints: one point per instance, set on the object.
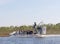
(51, 35)
(47, 35)
(36, 35)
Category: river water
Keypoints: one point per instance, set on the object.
(29, 40)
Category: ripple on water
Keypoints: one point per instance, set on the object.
(29, 40)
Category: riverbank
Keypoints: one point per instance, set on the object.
(51, 35)
(47, 35)
(7, 34)
(51, 29)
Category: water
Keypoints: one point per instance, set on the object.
(29, 40)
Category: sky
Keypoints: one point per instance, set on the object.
(26, 12)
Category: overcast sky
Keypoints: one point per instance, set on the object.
(25, 12)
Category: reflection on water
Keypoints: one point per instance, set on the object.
(29, 40)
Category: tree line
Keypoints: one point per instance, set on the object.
(51, 29)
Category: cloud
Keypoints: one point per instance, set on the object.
(3, 2)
